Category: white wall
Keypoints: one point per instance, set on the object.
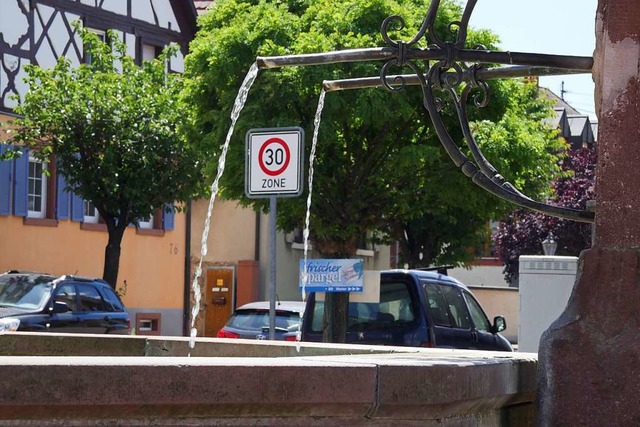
(546, 283)
(480, 275)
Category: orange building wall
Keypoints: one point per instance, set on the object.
(153, 266)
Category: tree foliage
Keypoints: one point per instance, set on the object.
(379, 166)
(522, 232)
(449, 213)
(114, 131)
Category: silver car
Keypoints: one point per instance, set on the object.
(251, 321)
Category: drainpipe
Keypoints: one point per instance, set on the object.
(256, 255)
(187, 274)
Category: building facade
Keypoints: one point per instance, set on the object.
(45, 227)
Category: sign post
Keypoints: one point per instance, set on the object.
(273, 168)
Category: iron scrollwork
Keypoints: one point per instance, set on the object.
(446, 65)
(444, 70)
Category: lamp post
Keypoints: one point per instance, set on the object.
(549, 245)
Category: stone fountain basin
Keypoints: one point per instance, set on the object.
(64, 379)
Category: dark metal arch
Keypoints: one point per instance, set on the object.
(445, 65)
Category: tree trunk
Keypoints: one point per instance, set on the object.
(112, 255)
(336, 316)
(336, 304)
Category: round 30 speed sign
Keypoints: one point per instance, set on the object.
(274, 162)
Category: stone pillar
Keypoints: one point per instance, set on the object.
(589, 359)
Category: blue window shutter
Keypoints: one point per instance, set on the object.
(62, 195)
(20, 189)
(77, 208)
(5, 184)
(168, 217)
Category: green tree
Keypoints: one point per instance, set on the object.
(379, 164)
(448, 213)
(114, 130)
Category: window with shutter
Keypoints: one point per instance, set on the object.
(5, 183)
(36, 189)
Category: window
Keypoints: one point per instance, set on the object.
(147, 223)
(457, 307)
(148, 323)
(90, 299)
(479, 318)
(90, 212)
(437, 305)
(112, 301)
(395, 308)
(102, 36)
(67, 294)
(37, 189)
(158, 222)
(149, 52)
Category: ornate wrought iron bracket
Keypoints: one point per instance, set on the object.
(447, 65)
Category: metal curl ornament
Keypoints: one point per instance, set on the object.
(446, 65)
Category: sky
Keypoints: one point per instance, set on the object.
(564, 27)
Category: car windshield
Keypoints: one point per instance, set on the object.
(25, 291)
(259, 319)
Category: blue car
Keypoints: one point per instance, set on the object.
(38, 302)
(417, 308)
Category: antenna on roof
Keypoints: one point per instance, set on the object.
(562, 91)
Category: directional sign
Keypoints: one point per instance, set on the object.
(274, 162)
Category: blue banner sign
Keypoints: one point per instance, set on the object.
(332, 275)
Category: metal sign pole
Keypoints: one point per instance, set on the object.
(272, 269)
(273, 168)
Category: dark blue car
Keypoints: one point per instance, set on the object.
(419, 309)
(45, 303)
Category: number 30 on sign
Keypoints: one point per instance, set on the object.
(274, 162)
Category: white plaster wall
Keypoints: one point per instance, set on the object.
(545, 286)
(141, 9)
(177, 63)
(480, 275)
(130, 41)
(12, 62)
(58, 37)
(13, 24)
(166, 17)
(116, 6)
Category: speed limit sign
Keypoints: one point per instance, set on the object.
(274, 162)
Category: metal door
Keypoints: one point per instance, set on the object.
(218, 302)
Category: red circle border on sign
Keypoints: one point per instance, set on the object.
(287, 155)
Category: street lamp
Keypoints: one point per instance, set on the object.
(549, 245)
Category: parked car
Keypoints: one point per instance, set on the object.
(251, 321)
(46, 303)
(419, 309)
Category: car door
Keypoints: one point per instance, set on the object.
(451, 324)
(392, 321)
(116, 314)
(68, 321)
(94, 318)
(485, 338)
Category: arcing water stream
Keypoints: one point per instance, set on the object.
(238, 105)
(241, 98)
